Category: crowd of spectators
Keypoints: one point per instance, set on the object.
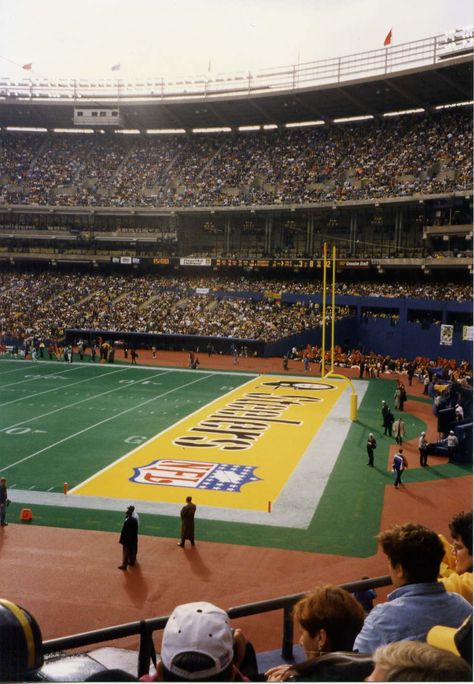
(34, 304)
(39, 303)
(427, 153)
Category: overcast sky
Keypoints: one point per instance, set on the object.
(172, 38)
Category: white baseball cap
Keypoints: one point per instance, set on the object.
(198, 627)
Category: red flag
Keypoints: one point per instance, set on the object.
(27, 67)
(388, 39)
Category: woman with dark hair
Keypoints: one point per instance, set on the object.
(329, 619)
(456, 566)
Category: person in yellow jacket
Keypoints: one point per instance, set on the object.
(456, 566)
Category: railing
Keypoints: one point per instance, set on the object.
(145, 628)
(383, 61)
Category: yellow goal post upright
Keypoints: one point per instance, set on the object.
(331, 373)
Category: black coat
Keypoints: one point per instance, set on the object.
(187, 521)
(129, 534)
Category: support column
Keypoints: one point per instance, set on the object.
(309, 234)
(268, 234)
(353, 234)
(227, 231)
(398, 229)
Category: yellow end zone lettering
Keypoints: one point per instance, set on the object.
(251, 440)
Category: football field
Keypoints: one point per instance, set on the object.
(268, 459)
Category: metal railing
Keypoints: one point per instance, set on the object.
(383, 61)
(146, 628)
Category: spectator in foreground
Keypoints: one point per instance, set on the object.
(199, 645)
(456, 567)
(329, 619)
(415, 661)
(21, 643)
(419, 601)
(457, 641)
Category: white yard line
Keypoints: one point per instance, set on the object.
(246, 374)
(33, 378)
(55, 389)
(13, 370)
(75, 403)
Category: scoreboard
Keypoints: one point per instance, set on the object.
(241, 262)
(266, 263)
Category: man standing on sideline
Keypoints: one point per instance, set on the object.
(398, 466)
(129, 539)
(387, 419)
(4, 501)
(399, 430)
(371, 445)
(423, 449)
(187, 522)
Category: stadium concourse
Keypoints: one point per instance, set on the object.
(67, 577)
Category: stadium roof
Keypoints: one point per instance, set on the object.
(443, 82)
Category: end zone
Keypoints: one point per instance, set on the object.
(274, 439)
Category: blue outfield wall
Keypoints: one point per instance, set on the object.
(382, 336)
(397, 337)
(409, 340)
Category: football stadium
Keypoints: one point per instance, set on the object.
(250, 293)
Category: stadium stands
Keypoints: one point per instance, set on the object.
(417, 154)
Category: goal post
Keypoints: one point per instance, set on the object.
(353, 413)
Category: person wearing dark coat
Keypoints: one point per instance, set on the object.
(187, 522)
(371, 445)
(403, 396)
(388, 423)
(129, 539)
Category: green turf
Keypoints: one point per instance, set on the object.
(123, 403)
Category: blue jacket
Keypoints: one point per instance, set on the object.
(397, 462)
(409, 613)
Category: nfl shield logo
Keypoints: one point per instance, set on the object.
(223, 477)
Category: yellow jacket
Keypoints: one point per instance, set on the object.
(460, 584)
